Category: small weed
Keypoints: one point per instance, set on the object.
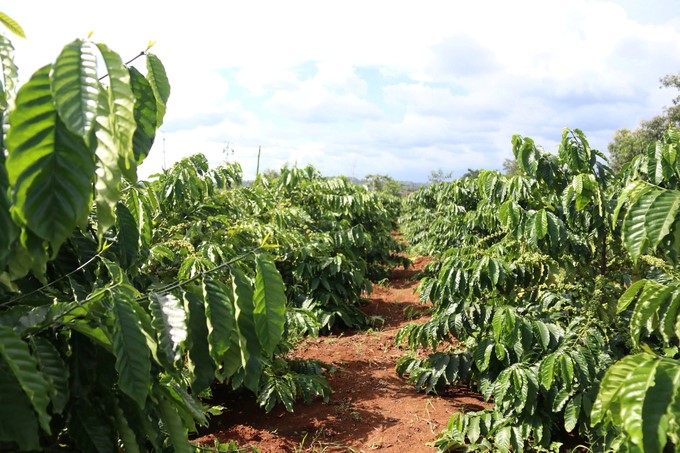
(300, 448)
(356, 416)
(410, 313)
(333, 339)
(384, 283)
(376, 321)
(375, 446)
(375, 330)
(344, 406)
(316, 445)
(216, 410)
(225, 447)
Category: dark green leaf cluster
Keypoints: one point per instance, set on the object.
(122, 301)
(330, 239)
(525, 287)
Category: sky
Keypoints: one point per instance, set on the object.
(400, 88)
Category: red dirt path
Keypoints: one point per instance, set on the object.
(371, 408)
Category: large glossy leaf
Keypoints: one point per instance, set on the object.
(132, 354)
(541, 224)
(75, 87)
(55, 371)
(572, 412)
(174, 426)
(158, 80)
(670, 322)
(649, 219)
(655, 162)
(143, 317)
(503, 322)
(541, 333)
(24, 367)
(270, 303)
(629, 295)
(473, 430)
(49, 168)
(128, 236)
(547, 371)
(249, 344)
(526, 154)
(661, 216)
(629, 195)
(653, 296)
(137, 204)
(556, 229)
(656, 406)
(510, 215)
(575, 150)
(220, 318)
(127, 434)
(634, 233)
(614, 386)
(502, 439)
(121, 118)
(674, 416)
(190, 408)
(631, 399)
(96, 334)
(109, 174)
(145, 115)
(18, 422)
(201, 364)
(169, 319)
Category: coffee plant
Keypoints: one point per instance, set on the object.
(329, 238)
(119, 308)
(554, 296)
(124, 302)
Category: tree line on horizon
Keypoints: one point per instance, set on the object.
(626, 145)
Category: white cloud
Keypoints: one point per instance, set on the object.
(453, 80)
(316, 104)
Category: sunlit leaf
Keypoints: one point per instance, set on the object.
(169, 320)
(12, 25)
(270, 303)
(75, 87)
(158, 80)
(145, 115)
(121, 100)
(49, 168)
(24, 367)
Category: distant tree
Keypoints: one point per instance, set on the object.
(470, 173)
(438, 175)
(510, 167)
(271, 174)
(628, 144)
(384, 184)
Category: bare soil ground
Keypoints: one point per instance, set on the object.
(371, 408)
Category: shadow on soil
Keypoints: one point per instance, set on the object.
(336, 423)
(354, 411)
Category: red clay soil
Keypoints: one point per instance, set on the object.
(371, 408)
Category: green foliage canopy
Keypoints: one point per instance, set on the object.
(559, 284)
